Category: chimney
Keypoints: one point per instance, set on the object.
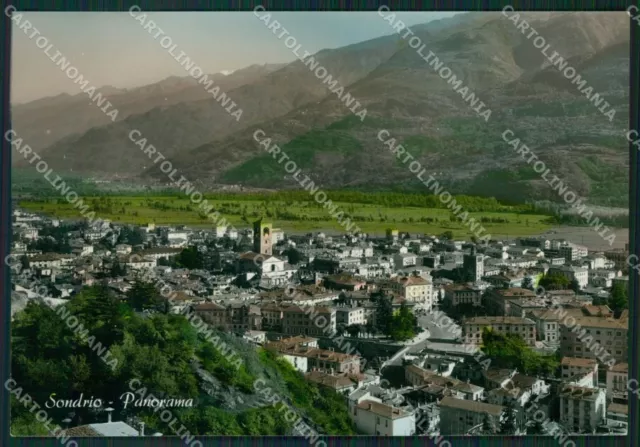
(109, 411)
(141, 428)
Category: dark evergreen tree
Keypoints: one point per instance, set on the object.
(508, 424)
(384, 314)
(488, 424)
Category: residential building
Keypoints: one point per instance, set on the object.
(582, 409)
(212, 313)
(618, 381)
(350, 315)
(342, 281)
(572, 367)
(459, 294)
(573, 252)
(344, 383)
(457, 416)
(402, 260)
(271, 316)
(413, 288)
(597, 338)
(524, 327)
(619, 258)
(376, 418)
(420, 377)
(497, 301)
(316, 320)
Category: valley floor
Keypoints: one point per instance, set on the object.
(293, 217)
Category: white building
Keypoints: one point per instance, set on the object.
(402, 260)
(378, 419)
(572, 252)
(582, 409)
(350, 315)
(580, 274)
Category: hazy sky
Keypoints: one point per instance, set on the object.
(114, 49)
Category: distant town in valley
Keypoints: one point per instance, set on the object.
(345, 231)
(400, 334)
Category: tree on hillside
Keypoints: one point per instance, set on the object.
(554, 281)
(145, 295)
(619, 299)
(403, 324)
(511, 351)
(190, 258)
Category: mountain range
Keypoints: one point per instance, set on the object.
(401, 93)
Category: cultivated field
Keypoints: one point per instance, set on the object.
(292, 216)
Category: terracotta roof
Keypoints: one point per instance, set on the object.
(543, 314)
(620, 367)
(497, 375)
(208, 306)
(471, 405)
(574, 361)
(514, 292)
(498, 320)
(411, 281)
(430, 378)
(336, 382)
(600, 322)
(594, 311)
(250, 256)
(382, 409)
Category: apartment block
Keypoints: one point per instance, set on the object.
(574, 368)
(472, 328)
(582, 409)
(617, 381)
(376, 418)
(458, 294)
(602, 339)
(308, 320)
(458, 416)
(350, 315)
(497, 301)
(413, 288)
